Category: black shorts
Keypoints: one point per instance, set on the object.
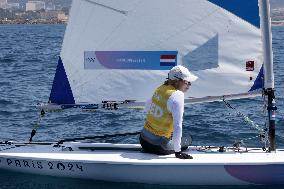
(165, 149)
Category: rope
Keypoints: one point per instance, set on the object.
(263, 134)
(96, 137)
(246, 118)
(42, 113)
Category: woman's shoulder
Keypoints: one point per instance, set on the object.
(177, 96)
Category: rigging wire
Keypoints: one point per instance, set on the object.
(42, 113)
(263, 134)
(245, 117)
(98, 137)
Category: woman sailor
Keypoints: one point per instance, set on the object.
(162, 132)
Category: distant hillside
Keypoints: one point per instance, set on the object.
(277, 4)
(62, 3)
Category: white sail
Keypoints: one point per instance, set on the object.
(112, 50)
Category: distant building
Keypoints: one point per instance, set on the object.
(12, 1)
(62, 17)
(49, 15)
(35, 5)
(49, 6)
(22, 4)
(3, 4)
(20, 14)
(13, 6)
(54, 15)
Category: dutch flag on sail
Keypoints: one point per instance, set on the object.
(168, 60)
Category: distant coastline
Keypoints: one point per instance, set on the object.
(11, 22)
(55, 21)
(33, 22)
(39, 21)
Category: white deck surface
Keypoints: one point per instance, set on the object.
(254, 156)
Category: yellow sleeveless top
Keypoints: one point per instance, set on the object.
(159, 120)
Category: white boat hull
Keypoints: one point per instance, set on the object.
(117, 164)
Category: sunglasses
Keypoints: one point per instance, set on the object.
(186, 82)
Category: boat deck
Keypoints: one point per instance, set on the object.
(132, 154)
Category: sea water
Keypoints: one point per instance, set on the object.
(28, 59)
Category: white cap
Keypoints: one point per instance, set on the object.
(180, 72)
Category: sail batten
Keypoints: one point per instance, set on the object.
(106, 47)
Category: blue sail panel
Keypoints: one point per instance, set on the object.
(247, 10)
(61, 92)
(259, 82)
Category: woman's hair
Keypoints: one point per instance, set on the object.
(166, 82)
(174, 83)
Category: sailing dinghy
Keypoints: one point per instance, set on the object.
(115, 53)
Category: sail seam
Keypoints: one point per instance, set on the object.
(186, 28)
(112, 32)
(108, 7)
(78, 87)
(101, 44)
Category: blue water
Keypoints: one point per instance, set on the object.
(28, 58)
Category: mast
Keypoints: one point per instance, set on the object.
(268, 68)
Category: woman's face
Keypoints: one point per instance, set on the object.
(183, 85)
